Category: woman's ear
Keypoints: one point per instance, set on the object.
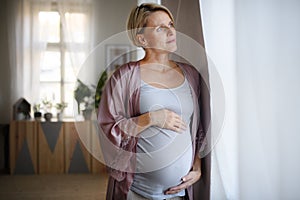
(141, 39)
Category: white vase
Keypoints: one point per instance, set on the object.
(60, 117)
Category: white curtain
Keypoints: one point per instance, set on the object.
(78, 30)
(255, 46)
(24, 69)
(219, 35)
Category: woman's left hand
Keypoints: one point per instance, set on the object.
(188, 180)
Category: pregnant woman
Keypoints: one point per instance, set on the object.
(149, 116)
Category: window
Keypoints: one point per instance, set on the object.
(61, 42)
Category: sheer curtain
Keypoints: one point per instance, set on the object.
(77, 22)
(268, 98)
(255, 46)
(24, 69)
(218, 27)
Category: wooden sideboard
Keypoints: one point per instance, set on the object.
(54, 148)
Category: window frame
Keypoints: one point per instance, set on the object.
(62, 44)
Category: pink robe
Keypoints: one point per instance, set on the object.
(118, 112)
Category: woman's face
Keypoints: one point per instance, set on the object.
(159, 34)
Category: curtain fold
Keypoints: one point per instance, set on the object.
(255, 47)
(219, 34)
(15, 10)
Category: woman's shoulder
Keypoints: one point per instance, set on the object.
(127, 72)
(127, 67)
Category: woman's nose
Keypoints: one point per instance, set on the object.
(170, 30)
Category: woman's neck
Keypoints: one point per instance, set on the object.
(162, 59)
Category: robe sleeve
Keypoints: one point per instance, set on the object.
(117, 125)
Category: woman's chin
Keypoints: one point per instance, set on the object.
(172, 48)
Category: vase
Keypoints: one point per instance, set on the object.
(87, 114)
(48, 116)
(60, 116)
(38, 116)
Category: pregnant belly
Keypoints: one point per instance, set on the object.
(162, 160)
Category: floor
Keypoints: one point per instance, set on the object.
(53, 187)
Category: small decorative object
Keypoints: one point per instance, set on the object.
(37, 111)
(47, 106)
(85, 97)
(21, 110)
(48, 116)
(60, 110)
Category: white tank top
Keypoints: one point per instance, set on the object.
(163, 156)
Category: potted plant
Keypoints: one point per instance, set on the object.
(47, 106)
(60, 107)
(85, 98)
(37, 111)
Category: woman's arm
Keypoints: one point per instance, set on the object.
(162, 118)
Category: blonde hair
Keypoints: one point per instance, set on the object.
(137, 19)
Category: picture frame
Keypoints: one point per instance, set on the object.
(117, 55)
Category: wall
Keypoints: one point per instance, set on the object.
(4, 67)
(110, 17)
(109, 21)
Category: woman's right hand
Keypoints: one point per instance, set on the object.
(167, 119)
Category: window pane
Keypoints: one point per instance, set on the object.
(73, 62)
(49, 26)
(50, 91)
(77, 27)
(50, 66)
(69, 98)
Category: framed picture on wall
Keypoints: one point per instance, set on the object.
(116, 55)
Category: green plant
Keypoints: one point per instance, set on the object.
(47, 105)
(84, 95)
(36, 107)
(99, 88)
(61, 106)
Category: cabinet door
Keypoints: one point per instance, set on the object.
(23, 147)
(51, 147)
(98, 165)
(77, 142)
